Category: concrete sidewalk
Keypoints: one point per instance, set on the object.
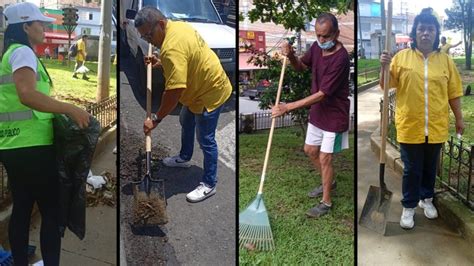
(99, 246)
(430, 242)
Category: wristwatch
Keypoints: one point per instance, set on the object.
(155, 119)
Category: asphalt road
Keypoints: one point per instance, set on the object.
(201, 233)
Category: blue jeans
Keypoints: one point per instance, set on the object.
(419, 173)
(205, 125)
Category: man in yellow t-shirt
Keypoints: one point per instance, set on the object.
(81, 56)
(195, 78)
(446, 46)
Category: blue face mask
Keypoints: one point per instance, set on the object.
(326, 45)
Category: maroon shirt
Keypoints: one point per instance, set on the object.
(330, 75)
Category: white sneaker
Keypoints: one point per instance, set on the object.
(176, 161)
(429, 209)
(406, 221)
(202, 192)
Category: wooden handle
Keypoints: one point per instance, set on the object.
(148, 98)
(386, 82)
(270, 137)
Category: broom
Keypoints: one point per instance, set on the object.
(254, 227)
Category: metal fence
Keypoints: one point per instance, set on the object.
(392, 131)
(105, 111)
(368, 75)
(263, 120)
(455, 171)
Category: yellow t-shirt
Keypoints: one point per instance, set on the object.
(445, 48)
(81, 46)
(190, 64)
(415, 78)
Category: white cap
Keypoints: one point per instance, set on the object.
(25, 12)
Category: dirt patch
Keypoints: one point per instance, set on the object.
(146, 244)
(149, 209)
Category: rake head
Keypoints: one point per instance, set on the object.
(254, 227)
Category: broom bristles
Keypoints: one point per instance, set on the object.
(255, 236)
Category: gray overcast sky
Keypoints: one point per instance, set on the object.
(416, 6)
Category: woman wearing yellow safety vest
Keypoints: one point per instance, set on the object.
(427, 82)
(26, 133)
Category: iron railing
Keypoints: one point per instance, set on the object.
(105, 111)
(263, 120)
(368, 75)
(392, 131)
(455, 171)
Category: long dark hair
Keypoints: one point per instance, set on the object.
(16, 34)
(426, 17)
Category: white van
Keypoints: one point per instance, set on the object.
(201, 14)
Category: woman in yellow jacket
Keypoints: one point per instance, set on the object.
(427, 83)
(26, 133)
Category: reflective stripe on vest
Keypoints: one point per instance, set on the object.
(20, 126)
(5, 79)
(16, 116)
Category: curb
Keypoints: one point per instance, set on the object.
(104, 140)
(367, 86)
(450, 209)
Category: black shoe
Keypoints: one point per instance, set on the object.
(316, 192)
(85, 78)
(74, 77)
(318, 211)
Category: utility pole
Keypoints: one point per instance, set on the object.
(103, 79)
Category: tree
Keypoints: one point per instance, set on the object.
(293, 14)
(460, 18)
(296, 85)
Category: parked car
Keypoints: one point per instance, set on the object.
(258, 90)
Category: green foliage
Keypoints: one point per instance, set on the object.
(460, 18)
(293, 16)
(296, 85)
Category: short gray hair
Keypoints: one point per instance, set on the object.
(149, 15)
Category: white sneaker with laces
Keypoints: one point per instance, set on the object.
(429, 209)
(406, 221)
(202, 192)
(176, 161)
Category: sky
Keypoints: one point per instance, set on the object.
(416, 6)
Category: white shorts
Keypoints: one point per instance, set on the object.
(330, 142)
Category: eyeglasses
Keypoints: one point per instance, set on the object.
(147, 37)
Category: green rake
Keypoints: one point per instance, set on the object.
(255, 232)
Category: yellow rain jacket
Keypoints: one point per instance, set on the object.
(423, 90)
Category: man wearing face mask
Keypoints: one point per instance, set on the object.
(329, 115)
(195, 78)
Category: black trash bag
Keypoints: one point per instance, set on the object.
(74, 150)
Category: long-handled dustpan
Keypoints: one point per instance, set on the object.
(254, 227)
(149, 193)
(377, 205)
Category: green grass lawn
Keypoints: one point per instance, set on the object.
(77, 91)
(363, 64)
(367, 64)
(290, 175)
